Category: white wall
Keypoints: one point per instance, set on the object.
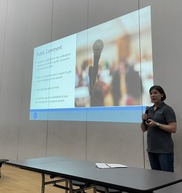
(25, 24)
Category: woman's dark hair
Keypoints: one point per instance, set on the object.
(159, 89)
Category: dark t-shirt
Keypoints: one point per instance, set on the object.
(158, 140)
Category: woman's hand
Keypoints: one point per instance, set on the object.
(171, 127)
(144, 117)
(151, 123)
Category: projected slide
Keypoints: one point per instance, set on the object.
(99, 74)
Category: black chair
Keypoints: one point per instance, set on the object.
(83, 186)
(53, 180)
(80, 187)
(2, 161)
(102, 189)
(74, 186)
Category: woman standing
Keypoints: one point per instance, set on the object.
(159, 121)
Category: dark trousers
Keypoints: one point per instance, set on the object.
(161, 161)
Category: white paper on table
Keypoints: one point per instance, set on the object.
(117, 165)
(102, 165)
(110, 165)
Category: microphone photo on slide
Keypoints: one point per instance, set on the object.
(93, 70)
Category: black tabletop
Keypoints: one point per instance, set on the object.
(128, 179)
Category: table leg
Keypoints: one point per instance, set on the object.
(43, 183)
